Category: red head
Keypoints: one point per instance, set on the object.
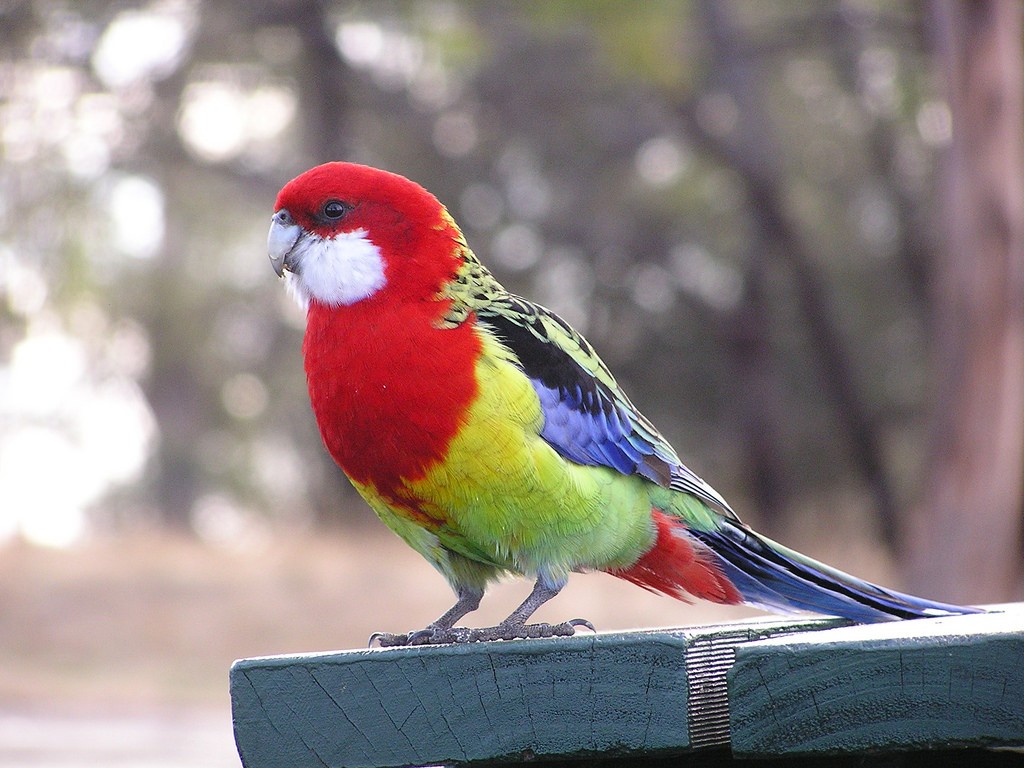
(344, 233)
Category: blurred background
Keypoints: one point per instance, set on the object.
(794, 230)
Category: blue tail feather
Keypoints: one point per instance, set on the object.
(772, 576)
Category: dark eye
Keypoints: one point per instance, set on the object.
(335, 209)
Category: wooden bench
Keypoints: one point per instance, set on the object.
(762, 689)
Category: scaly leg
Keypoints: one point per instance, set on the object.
(438, 631)
(515, 626)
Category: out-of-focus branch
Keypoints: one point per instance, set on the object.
(751, 153)
(916, 241)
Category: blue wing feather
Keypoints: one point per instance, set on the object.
(587, 418)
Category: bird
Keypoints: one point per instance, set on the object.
(488, 434)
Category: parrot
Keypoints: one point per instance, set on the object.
(486, 432)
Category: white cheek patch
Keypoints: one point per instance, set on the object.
(342, 270)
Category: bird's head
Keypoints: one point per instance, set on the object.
(343, 233)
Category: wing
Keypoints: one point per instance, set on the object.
(587, 417)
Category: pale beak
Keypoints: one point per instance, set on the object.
(284, 234)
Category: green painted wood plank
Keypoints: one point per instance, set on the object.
(604, 694)
(936, 683)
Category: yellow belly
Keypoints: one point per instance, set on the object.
(504, 497)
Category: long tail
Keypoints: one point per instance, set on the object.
(772, 576)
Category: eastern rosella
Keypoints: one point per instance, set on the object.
(487, 433)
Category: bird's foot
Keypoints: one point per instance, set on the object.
(440, 635)
(428, 636)
(527, 631)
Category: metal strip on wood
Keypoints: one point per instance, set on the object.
(708, 660)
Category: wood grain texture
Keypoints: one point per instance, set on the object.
(605, 694)
(927, 684)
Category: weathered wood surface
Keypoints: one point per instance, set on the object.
(779, 687)
(956, 681)
(588, 694)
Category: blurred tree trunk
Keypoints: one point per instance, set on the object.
(325, 83)
(759, 406)
(966, 539)
(760, 411)
(754, 155)
(181, 390)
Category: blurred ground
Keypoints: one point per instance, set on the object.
(116, 653)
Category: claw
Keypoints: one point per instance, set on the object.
(420, 637)
(387, 640)
(581, 623)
